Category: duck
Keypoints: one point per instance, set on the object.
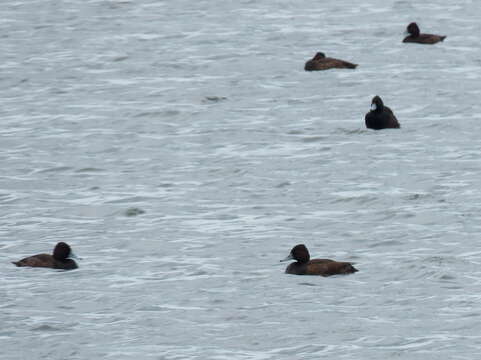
(380, 116)
(321, 62)
(61, 258)
(415, 36)
(323, 267)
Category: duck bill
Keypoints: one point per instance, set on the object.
(289, 257)
(73, 256)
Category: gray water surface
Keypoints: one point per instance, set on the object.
(181, 149)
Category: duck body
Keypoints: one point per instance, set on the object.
(415, 36)
(424, 39)
(322, 267)
(46, 261)
(380, 116)
(59, 260)
(321, 62)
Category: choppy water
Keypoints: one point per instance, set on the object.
(200, 115)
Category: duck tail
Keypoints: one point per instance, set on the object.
(346, 65)
(443, 37)
(16, 263)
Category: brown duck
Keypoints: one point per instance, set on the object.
(323, 267)
(415, 36)
(321, 62)
(60, 259)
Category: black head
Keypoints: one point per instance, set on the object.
(319, 56)
(377, 104)
(299, 253)
(62, 251)
(413, 29)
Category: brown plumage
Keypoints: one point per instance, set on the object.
(323, 267)
(415, 36)
(60, 259)
(321, 62)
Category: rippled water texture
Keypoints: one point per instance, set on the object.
(181, 150)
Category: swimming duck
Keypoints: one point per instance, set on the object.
(60, 259)
(323, 267)
(380, 116)
(321, 62)
(416, 37)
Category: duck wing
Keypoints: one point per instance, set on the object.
(431, 38)
(425, 39)
(40, 260)
(328, 63)
(391, 118)
(341, 64)
(320, 261)
(326, 267)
